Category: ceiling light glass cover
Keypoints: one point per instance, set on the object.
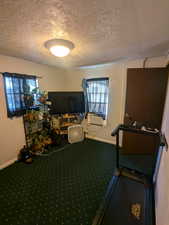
(59, 47)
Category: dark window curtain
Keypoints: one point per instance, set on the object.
(84, 86)
(17, 87)
(97, 96)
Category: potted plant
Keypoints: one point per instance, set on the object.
(41, 95)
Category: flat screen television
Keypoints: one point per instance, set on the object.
(66, 102)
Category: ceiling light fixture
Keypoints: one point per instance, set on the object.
(59, 47)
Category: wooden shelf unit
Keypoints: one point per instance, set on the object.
(66, 120)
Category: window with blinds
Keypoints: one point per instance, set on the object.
(17, 90)
(97, 96)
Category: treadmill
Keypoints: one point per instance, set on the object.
(129, 199)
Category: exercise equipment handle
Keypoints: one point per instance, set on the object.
(123, 127)
(116, 130)
(132, 129)
(163, 141)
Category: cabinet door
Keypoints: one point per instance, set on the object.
(145, 98)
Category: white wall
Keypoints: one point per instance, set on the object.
(11, 130)
(117, 73)
(162, 186)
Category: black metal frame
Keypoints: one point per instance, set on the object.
(149, 207)
(132, 129)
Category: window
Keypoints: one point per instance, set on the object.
(17, 90)
(97, 96)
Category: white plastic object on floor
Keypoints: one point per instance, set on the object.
(75, 134)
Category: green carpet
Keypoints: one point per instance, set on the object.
(64, 188)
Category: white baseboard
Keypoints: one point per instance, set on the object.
(9, 162)
(101, 139)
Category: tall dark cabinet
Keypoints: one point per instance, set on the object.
(145, 99)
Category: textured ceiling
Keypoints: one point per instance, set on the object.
(102, 30)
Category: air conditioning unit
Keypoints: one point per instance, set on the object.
(93, 119)
(75, 134)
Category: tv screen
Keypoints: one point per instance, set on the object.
(66, 102)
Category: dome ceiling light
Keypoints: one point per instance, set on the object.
(59, 47)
